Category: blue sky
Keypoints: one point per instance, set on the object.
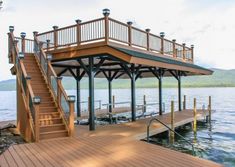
(208, 24)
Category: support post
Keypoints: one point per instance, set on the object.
(133, 100)
(78, 94)
(91, 94)
(129, 33)
(55, 36)
(179, 92)
(194, 116)
(209, 108)
(184, 103)
(172, 135)
(110, 96)
(71, 100)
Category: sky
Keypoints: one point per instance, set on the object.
(208, 24)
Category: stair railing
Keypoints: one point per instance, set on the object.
(31, 102)
(64, 102)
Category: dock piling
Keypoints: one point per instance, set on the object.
(194, 116)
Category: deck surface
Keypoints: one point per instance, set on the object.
(109, 145)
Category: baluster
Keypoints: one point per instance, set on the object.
(129, 33)
(106, 13)
(147, 31)
(71, 100)
(162, 35)
(55, 36)
(78, 31)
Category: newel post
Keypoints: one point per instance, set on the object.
(58, 90)
(78, 31)
(106, 13)
(129, 33)
(174, 50)
(147, 31)
(192, 50)
(23, 35)
(36, 102)
(162, 35)
(184, 58)
(55, 36)
(71, 100)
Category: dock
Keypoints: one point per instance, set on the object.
(109, 145)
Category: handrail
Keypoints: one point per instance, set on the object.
(155, 119)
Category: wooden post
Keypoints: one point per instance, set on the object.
(144, 104)
(172, 134)
(147, 31)
(71, 100)
(192, 50)
(113, 101)
(184, 51)
(194, 116)
(106, 13)
(129, 33)
(209, 108)
(78, 31)
(55, 36)
(36, 103)
(184, 104)
(162, 35)
(58, 90)
(23, 35)
(174, 50)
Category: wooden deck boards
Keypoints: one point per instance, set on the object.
(109, 145)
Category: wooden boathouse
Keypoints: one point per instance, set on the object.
(101, 48)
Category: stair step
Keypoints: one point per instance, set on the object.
(53, 134)
(49, 115)
(52, 128)
(50, 121)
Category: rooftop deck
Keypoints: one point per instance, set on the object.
(111, 145)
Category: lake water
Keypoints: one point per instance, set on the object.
(217, 141)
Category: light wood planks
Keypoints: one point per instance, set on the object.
(110, 145)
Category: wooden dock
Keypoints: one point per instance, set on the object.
(109, 145)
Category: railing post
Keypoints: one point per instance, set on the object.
(174, 50)
(209, 108)
(144, 104)
(58, 90)
(192, 50)
(172, 134)
(23, 35)
(162, 35)
(194, 116)
(55, 36)
(113, 101)
(129, 33)
(147, 31)
(184, 104)
(78, 31)
(106, 13)
(71, 100)
(36, 102)
(184, 58)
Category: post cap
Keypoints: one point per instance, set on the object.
(71, 98)
(11, 28)
(49, 57)
(147, 30)
(162, 34)
(129, 23)
(55, 27)
(106, 12)
(23, 34)
(173, 40)
(35, 33)
(192, 46)
(21, 55)
(36, 99)
(78, 21)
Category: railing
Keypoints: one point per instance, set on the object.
(32, 107)
(182, 137)
(54, 84)
(109, 30)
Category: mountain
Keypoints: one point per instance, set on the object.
(220, 78)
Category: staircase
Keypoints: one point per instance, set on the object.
(50, 122)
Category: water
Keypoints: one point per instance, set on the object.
(217, 140)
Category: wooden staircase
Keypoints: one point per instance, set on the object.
(51, 124)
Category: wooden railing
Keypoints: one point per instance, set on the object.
(110, 30)
(30, 100)
(54, 83)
